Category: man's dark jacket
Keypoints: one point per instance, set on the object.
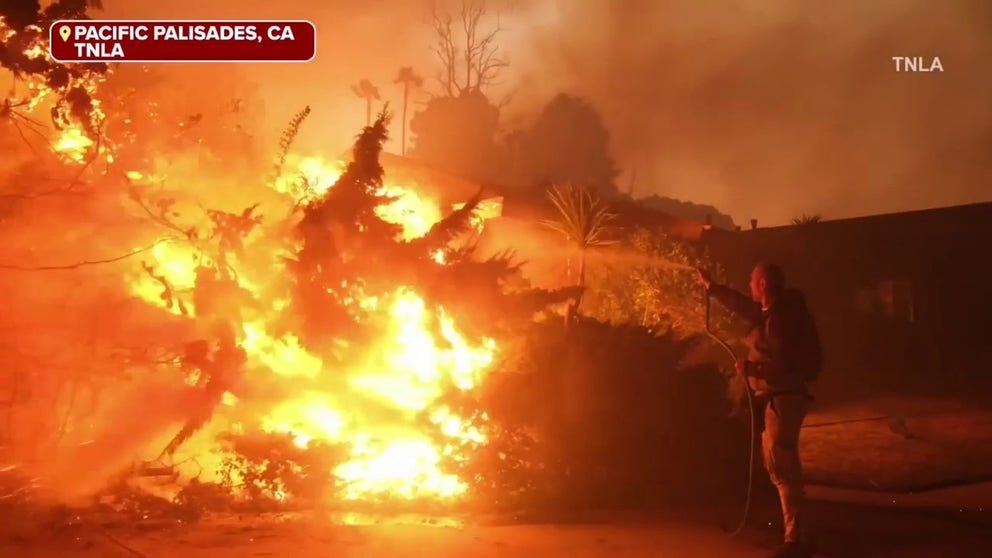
(772, 339)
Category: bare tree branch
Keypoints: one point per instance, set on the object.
(83, 263)
(472, 62)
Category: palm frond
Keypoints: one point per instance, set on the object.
(407, 76)
(807, 219)
(583, 218)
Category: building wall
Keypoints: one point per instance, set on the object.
(901, 299)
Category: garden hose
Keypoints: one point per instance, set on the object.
(751, 414)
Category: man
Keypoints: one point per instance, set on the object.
(775, 316)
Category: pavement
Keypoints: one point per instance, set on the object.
(848, 523)
(844, 529)
(899, 443)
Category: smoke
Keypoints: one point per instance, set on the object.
(765, 109)
(355, 40)
(774, 108)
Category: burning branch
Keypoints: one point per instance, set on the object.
(457, 222)
(231, 229)
(83, 263)
(164, 214)
(168, 295)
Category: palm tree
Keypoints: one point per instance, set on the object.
(584, 220)
(369, 92)
(409, 79)
(807, 219)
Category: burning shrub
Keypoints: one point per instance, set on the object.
(382, 350)
(614, 417)
(327, 334)
(269, 469)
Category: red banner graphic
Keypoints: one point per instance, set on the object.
(182, 41)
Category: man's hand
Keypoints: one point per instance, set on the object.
(704, 277)
(740, 365)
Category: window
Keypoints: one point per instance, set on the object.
(889, 298)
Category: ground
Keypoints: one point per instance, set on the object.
(899, 443)
(845, 530)
(881, 444)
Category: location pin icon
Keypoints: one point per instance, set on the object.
(64, 32)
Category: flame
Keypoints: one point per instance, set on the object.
(312, 176)
(416, 214)
(486, 210)
(308, 178)
(386, 408)
(385, 404)
(176, 265)
(284, 356)
(73, 144)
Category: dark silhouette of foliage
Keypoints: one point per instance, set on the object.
(370, 93)
(29, 24)
(629, 424)
(807, 219)
(689, 210)
(288, 137)
(409, 80)
(568, 142)
(457, 135)
(457, 223)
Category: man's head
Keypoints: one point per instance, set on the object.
(767, 282)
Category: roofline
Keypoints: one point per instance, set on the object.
(877, 216)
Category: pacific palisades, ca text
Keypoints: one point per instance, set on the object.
(104, 41)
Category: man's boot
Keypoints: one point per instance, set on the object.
(793, 550)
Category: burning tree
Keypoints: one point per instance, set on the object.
(322, 336)
(305, 335)
(23, 36)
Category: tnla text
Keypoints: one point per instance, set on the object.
(917, 64)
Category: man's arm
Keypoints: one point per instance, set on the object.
(737, 302)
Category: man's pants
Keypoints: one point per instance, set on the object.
(783, 418)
